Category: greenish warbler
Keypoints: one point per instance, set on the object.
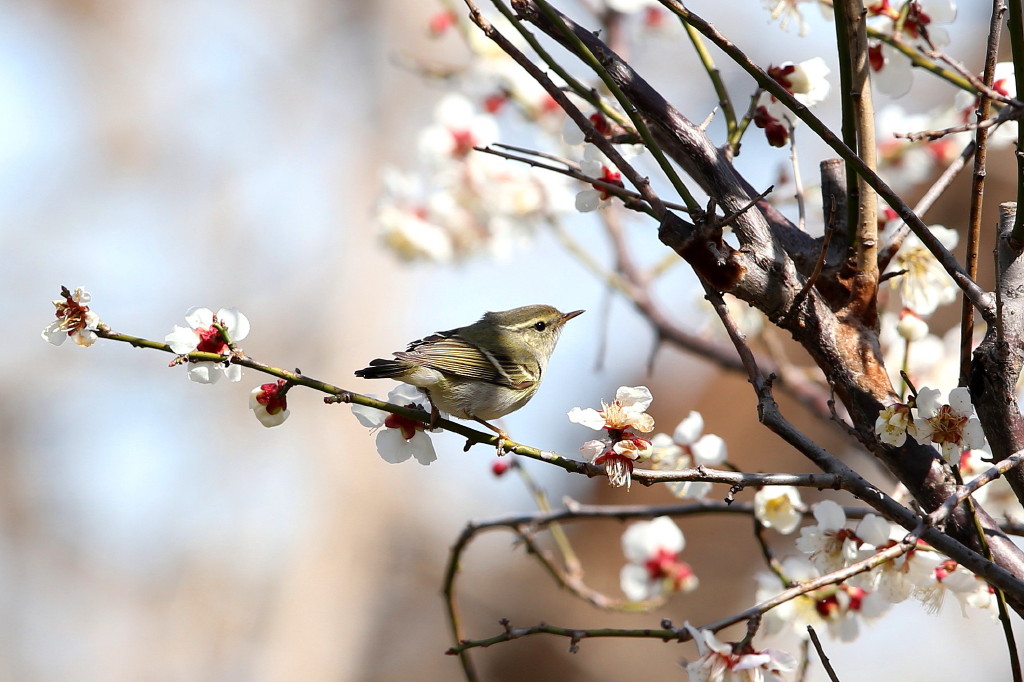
(484, 370)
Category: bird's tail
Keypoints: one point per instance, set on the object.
(383, 369)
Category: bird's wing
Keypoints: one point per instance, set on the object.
(449, 354)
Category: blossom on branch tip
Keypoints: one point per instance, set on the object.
(269, 403)
(778, 507)
(74, 319)
(735, 661)
(652, 551)
(950, 426)
(399, 438)
(209, 333)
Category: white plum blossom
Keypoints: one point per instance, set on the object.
(399, 438)
(840, 608)
(929, 361)
(844, 607)
(830, 545)
(269, 403)
(934, 576)
(806, 81)
(457, 128)
(906, 163)
(735, 662)
(925, 285)
(496, 79)
(414, 225)
(788, 10)
(892, 424)
(892, 579)
(951, 426)
(74, 319)
(204, 334)
(778, 507)
(652, 551)
(688, 447)
(892, 72)
(462, 202)
(628, 410)
(597, 166)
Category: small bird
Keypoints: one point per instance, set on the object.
(481, 371)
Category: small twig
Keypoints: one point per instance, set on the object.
(821, 654)
(938, 516)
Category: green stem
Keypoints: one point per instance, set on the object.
(338, 394)
(715, 75)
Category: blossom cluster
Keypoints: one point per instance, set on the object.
(949, 425)
(830, 545)
(620, 446)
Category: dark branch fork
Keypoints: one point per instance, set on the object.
(770, 270)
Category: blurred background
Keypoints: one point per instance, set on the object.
(223, 153)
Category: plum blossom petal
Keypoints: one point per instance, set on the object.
(689, 429)
(778, 507)
(588, 417)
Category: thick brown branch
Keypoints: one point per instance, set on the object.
(1000, 356)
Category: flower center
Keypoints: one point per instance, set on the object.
(272, 397)
(947, 426)
(211, 341)
(72, 315)
(407, 426)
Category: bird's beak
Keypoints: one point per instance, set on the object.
(568, 316)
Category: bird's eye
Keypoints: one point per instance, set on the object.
(540, 326)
